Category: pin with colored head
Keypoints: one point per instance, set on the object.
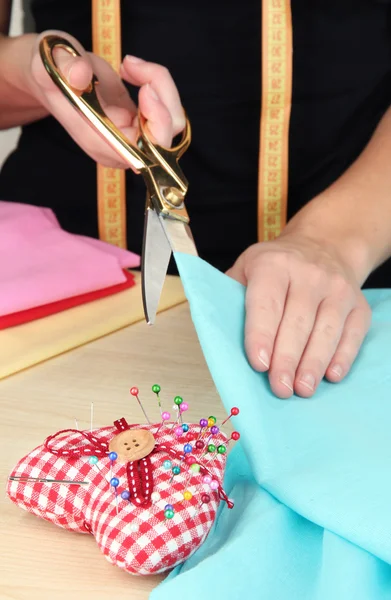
(93, 461)
(178, 400)
(235, 436)
(169, 512)
(203, 425)
(165, 417)
(234, 412)
(205, 499)
(210, 449)
(178, 431)
(156, 390)
(112, 457)
(214, 430)
(114, 482)
(134, 391)
(193, 470)
(175, 471)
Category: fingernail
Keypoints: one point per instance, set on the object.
(337, 370)
(287, 381)
(308, 381)
(134, 59)
(264, 358)
(152, 92)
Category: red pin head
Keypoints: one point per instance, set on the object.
(135, 392)
(235, 436)
(234, 412)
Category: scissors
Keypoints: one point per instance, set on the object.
(166, 224)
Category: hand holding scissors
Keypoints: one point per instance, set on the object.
(166, 220)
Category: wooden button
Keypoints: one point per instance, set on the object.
(132, 444)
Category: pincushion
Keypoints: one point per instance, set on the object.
(147, 493)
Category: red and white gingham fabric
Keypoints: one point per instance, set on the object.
(139, 540)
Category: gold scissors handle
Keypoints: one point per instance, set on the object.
(166, 183)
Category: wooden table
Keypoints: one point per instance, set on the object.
(39, 560)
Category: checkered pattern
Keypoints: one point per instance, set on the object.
(140, 540)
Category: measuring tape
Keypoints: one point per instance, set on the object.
(275, 116)
(111, 185)
(274, 129)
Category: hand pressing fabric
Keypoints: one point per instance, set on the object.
(306, 315)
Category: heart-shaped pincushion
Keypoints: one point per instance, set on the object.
(133, 534)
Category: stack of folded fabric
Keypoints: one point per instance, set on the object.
(61, 289)
(45, 270)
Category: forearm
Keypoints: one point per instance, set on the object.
(354, 213)
(17, 104)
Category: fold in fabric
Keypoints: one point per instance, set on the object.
(40, 312)
(310, 477)
(76, 326)
(41, 264)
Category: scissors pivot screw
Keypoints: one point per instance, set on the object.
(173, 196)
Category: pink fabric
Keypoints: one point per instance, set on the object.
(40, 263)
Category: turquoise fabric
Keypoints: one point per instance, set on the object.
(311, 478)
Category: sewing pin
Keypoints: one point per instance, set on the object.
(114, 482)
(135, 392)
(156, 390)
(112, 457)
(211, 448)
(178, 401)
(25, 479)
(175, 471)
(214, 430)
(77, 424)
(93, 460)
(205, 499)
(165, 417)
(203, 424)
(234, 412)
(194, 469)
(183, 408)
(169, 511)
(92, 414)
(235, 436)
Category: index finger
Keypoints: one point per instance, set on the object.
(265, 301)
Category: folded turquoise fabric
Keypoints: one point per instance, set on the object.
(311, 478)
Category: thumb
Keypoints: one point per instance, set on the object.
(77, 70)
(237, 271)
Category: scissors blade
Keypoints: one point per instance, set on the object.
(155, 259)
(179, 236)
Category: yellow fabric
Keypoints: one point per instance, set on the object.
(34, 342)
